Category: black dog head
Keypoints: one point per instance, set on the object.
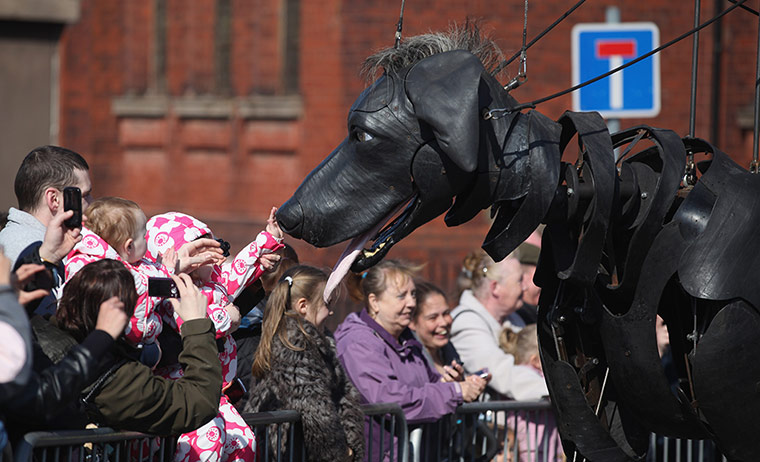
(414, 143)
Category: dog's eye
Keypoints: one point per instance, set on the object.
(362, 136)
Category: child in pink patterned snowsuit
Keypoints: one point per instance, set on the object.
(116, 230)
(226, 437)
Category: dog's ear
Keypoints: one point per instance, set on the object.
(444, 91)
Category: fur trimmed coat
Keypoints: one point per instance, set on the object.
(312, 382)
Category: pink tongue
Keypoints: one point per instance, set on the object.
(348, 256)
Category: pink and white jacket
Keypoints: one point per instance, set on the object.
(145, 324)
(227, 280)
(174, 229)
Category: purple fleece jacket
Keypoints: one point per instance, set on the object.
(386, 371)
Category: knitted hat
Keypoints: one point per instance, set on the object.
(172, 229)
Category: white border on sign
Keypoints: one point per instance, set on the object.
(608, 26)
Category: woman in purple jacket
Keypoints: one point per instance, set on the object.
(382, 357)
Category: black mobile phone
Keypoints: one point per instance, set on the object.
(43, 279)
(72, 200)
(162, 287)
(235, 390)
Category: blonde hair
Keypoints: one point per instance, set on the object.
(477, 268)
(297, 282)
(114, 219)
(522, 345)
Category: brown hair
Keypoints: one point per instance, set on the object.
(288, 259)
(297, 282)
(114, 219)
(375, 280)
(425, 289)
(79, 306)
(522, 345)
(45, 167)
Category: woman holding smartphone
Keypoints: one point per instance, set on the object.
(431, 323)
(128, 395)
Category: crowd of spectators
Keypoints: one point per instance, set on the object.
(86, 341)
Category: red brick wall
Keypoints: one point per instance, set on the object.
(230, 169)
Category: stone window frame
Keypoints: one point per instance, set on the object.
(157, 103)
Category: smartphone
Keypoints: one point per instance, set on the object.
(234, 390)
(162, 287)
(72, 200)
(483, 374)
(42, 280)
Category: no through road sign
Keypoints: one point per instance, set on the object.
(600, 47)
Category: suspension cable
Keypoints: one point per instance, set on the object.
(567, 13)
(694, 67)
(522, 74)
(496, 113)
(754, 167)
(690, 177)
(399, 25)
(746, 8)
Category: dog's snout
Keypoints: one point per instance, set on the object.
(290, 218)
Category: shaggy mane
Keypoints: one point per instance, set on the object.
(415, 48)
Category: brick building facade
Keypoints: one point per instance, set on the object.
(220, 107)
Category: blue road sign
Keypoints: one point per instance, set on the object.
(600, 47)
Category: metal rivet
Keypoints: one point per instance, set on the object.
(570, 191)
(644, 195)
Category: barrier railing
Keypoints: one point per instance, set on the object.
(279, 436)
(386, 433)
(94, 445)
(508, 431)
(480, 432)
(663, 449)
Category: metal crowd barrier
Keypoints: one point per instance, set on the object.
(94, 445)
(270, 429)
(523, 431)
(387, 435)
(496, 430)
(503, 431)
(663, 449)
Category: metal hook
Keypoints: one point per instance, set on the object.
(522, 74)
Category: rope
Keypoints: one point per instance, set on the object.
(496, 113)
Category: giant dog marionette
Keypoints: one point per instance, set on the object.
(623, 243)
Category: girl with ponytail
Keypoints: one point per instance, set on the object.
(296, 367)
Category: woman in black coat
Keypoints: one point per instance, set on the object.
(296, 368)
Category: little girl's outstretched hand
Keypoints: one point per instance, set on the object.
(273, 227)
